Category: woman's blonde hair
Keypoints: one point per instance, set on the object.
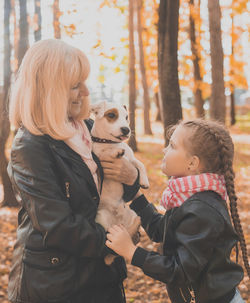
(40, 94)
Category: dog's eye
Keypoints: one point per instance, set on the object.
(111, 115)
(126, 117)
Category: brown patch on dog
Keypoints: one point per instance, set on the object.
(111, 115)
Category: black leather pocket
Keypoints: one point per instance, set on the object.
(48, 276)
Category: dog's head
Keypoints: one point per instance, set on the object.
(111, 121)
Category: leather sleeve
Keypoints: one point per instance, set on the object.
(33, 176)
(151, 220)
(131, 190)
(196, 234)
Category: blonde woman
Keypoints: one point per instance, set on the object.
(59, 252)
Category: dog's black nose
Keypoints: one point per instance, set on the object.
(125, 130)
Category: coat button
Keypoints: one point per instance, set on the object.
(95, 197)
(54, 260)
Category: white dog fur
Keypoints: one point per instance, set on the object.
(111, 123)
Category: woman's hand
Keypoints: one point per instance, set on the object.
(119, 169)
(119, 240)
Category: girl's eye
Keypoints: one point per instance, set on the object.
(111, 115)
(77, 86)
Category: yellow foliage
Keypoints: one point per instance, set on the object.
(101, 79)
(117, 69)
(102, 67)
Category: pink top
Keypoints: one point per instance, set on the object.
(81, 143)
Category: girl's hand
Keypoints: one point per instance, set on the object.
(119, 240)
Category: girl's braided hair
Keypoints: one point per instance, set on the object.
(212, 143)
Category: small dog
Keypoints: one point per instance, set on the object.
(110, 129)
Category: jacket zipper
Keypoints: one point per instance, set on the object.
(67, 189)
(166, 225)
(183, 297)
(192, 293)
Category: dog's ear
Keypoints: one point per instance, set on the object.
(98, 109)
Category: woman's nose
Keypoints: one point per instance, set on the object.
(84, 90)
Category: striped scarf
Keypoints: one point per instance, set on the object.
(180, 189)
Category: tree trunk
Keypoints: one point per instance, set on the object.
(16, 36)
(56, 16)
(218, 100)
(147, 126)
(232, 100)
(168, 63)
(132, 87)
(8, 195)
(157, 103)
(198, 101)
(38, 21)
(24, 31)
(232, 107)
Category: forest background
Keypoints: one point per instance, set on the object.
(167, 60)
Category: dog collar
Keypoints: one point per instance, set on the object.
(99, 140)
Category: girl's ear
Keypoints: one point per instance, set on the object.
(98, 109)
(194, 164)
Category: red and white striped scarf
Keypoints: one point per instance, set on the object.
(180, 189)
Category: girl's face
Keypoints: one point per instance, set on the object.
(176, 161)
(77, 96)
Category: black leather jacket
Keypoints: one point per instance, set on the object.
(197, 241)
(60, 248)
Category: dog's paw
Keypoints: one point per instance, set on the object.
(120, 153)
(136, 237)
(116, 153)
(144, 183)
(109, 259)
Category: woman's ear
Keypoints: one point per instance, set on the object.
(194, 164)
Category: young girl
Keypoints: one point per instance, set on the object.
(196, 229)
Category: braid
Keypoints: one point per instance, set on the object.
(235, 216)
(227, 163)
(222, 164)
